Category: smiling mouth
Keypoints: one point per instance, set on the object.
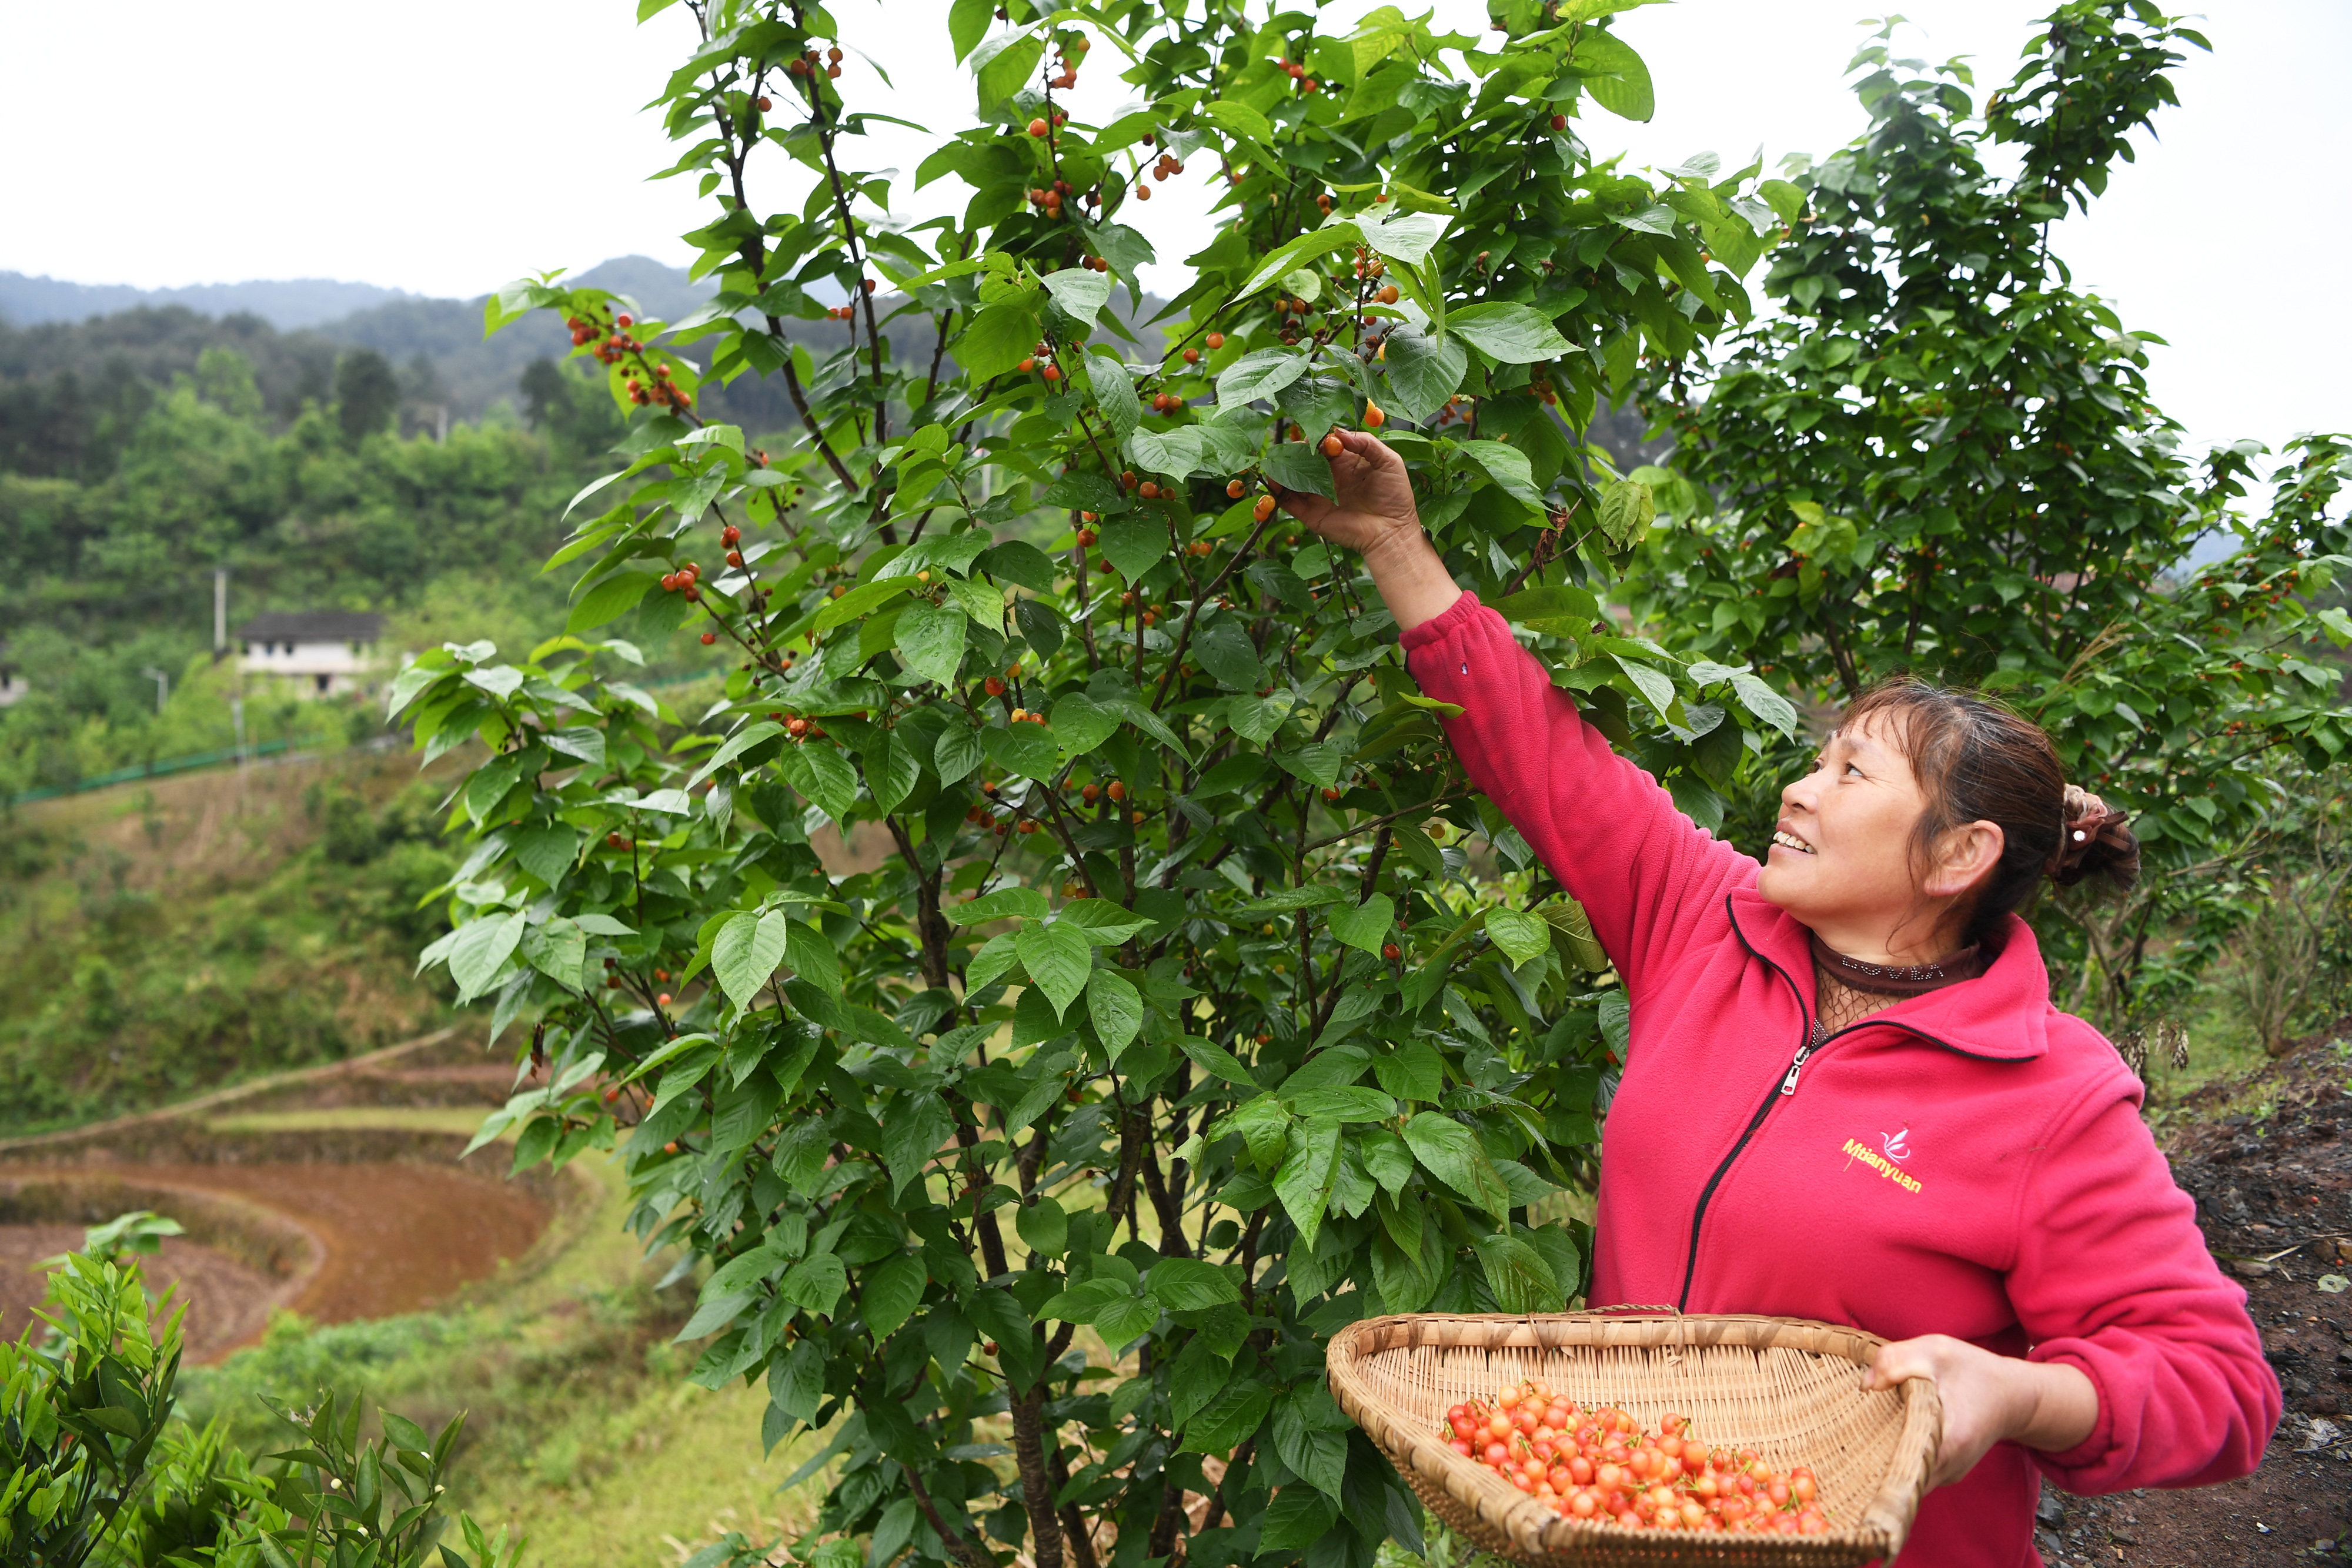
(1789, 841)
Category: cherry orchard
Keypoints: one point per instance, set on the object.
(1198, 1006)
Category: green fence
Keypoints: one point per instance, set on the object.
(158, 768)
(162, 766)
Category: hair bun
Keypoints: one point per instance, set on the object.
(2093, 838)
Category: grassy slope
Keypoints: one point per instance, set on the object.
(184, 934)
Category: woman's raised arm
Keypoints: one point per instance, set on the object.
(1644, 872)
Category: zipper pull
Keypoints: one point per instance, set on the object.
(1789, 1084)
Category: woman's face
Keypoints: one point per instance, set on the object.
(1841, 857)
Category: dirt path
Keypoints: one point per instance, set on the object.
(396, 1237)
(2269, 1161)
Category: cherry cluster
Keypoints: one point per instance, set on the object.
(1070, 76)
(1599, 1465)
(830, 62)
(1297, 73)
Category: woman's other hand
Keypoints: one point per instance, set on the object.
(1375, 517)
(1989, 1399)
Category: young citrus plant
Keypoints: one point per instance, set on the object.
(1197, 1008)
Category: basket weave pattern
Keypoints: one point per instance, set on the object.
(1789, 1389)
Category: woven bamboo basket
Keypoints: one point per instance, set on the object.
(1787, 1388)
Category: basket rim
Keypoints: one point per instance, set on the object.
(1886, 1517)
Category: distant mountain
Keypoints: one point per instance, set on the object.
(286, 306)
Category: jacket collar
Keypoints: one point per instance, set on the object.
(2002, 1015)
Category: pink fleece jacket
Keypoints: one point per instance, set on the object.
(1970, 1162)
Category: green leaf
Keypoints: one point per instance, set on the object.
(1567, 918)
(1081, 291)
(1115, 1007)
(1004, 904)
(1616, 79)
(1025, 750)
(1416, 1071)
(813, 958)
(1507, 467)
(998, 339)
(1343, 1102)
(1367, 925)
(1522, 1281)
(1423, 371)
(958, 752)
(735, 746)
(1260, 373)
(1081, 724)
(1002, 66)
(1296, 465)
(1114, 392)
(1213, 1058)
(1657, 688)
(1125, 1320)
(608, 600)
(481, 949)
(930, 639)
(746, 952)
(967, 24)
(860, 600)
(890, 1293)
(547, 851)
(893, 777)
(1400, 236)
(913, 1131)
(1223, 649)
(1318, 762)
(815, 1283)
(1188, 1285)
(1787, 201)
(1234, 1415)
(1521, 936)
(556, 949)
(1044, 1227)
(1134, 545)
(1509, 334)
(1450, 1152)
(1318, 1454)
(1241, 120)
(1059, 959)
(1765, 704)
(1627, 507)
(824, 776)
(994, 959)
(1103, 923)
(1308, 1171)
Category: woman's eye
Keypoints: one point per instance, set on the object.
(1853, 769)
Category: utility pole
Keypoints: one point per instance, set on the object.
(220, 614)
(163, 685)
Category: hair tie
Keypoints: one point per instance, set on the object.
(2087, 822)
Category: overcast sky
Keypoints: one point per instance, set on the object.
(446, 147)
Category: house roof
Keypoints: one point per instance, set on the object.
(312, 626)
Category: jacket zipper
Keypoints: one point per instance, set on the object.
(1787, 1085)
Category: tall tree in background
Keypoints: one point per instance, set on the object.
(367, 394)
(1940, 455)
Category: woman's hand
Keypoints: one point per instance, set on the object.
(1989, 1399)
(1374, 516)
(1375, 498)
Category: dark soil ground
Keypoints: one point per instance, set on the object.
(2268, 1157)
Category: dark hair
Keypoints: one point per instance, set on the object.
(1979, 761)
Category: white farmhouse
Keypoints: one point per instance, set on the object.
(316, 652)
(12, 679)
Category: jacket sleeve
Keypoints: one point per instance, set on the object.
(2113, 1278)
(1646, 874)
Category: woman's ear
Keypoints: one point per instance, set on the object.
(1967, 856)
